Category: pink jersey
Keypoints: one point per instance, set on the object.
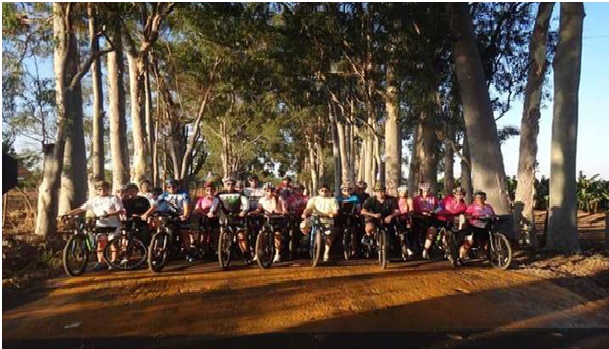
(422, 204)
(297, 203)
(206, 203)
(450, 207)
(404, 206)
(479, 211)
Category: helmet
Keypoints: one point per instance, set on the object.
(346, 185)
(378, 186)
(101, 184)
(361, 184)
(131, 186)
(268, 185)
(171, 181)
(286, 178)
(252, 178)
(424, 186)
(480, 193)
(403, 189)
(208, 185)
(324, 186)
(227, 180)
(459, 190)
(145, 181)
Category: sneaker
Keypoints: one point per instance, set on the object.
(110, 267)
(190, 259)
(425, 254)
(255, 259)
(460, 262)
(277, 258)
(409, 252)
(124, 261)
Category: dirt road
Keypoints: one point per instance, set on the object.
(426, 304)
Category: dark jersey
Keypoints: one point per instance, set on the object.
(136, 206)
(385, 208)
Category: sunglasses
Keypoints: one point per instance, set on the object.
(171, 186)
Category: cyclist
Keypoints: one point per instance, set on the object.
(178, 204)
(477, 229)
(378, 207)
(234, 203)
(239, 186)
(145, 189)
(108, 207)
(271, 204)
(208, 206)
(327, 207)
(349, 204)
(360, 191)
(404, 221)
(285, 188)
(139, 206)
(296, 204)
(253, 193)
(423, 206)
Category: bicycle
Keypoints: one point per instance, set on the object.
(165, 242)
(350, 235)
(319, 233)
(265, 241)
(227, 241)
(205, 246)
(445, 243)
(81, 244)
(130, 251)
(499, 251)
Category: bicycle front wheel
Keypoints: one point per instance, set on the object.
(499, 252)
(129, 253)
(348, 244)
(75, 255)
(316, 252)
(382, 249)
(264, 248)
(157, 252)
(224, 249)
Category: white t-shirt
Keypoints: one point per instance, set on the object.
(324, 206)
(101, 205)
(253, 196)
(272, 205)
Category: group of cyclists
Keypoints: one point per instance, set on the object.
(415, 219)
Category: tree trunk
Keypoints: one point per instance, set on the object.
(429, 159)
(118, 123)
(335, 149)
(140, 168)
(529, 127)
(74, 172)
(415, 159)
(393, 156)
(97, 157)
(345, 161)
(562, 225)
(485, 151)
(449, 159)
(46, 223)
(466, 171)
(150, 141)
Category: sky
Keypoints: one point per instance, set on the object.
(592, 152)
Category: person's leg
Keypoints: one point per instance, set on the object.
(430, 237)
(329, 241)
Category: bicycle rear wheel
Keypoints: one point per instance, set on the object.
(157, 252)
(500, 251)
(224, 249)
(75, 256)
(316, 252)
(130, 253)
(348, 243)
(265, 248)
(382, 249)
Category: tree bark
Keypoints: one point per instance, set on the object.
(415, 159)
(529, 126)
(562, 224)
(466, 171)
(335, 148)
(118, 123)
(97, 157)
(345, 161)
(449, 159)
(429, 159)
(485, 151)
(393, 156)
(140, 168)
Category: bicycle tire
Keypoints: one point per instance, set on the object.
(382, 249)
(128, 258)
(75, 251)
(316, 253)
(348, 243)
(157, 252)
(224, 249)
(265, 247)
(500, 252)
